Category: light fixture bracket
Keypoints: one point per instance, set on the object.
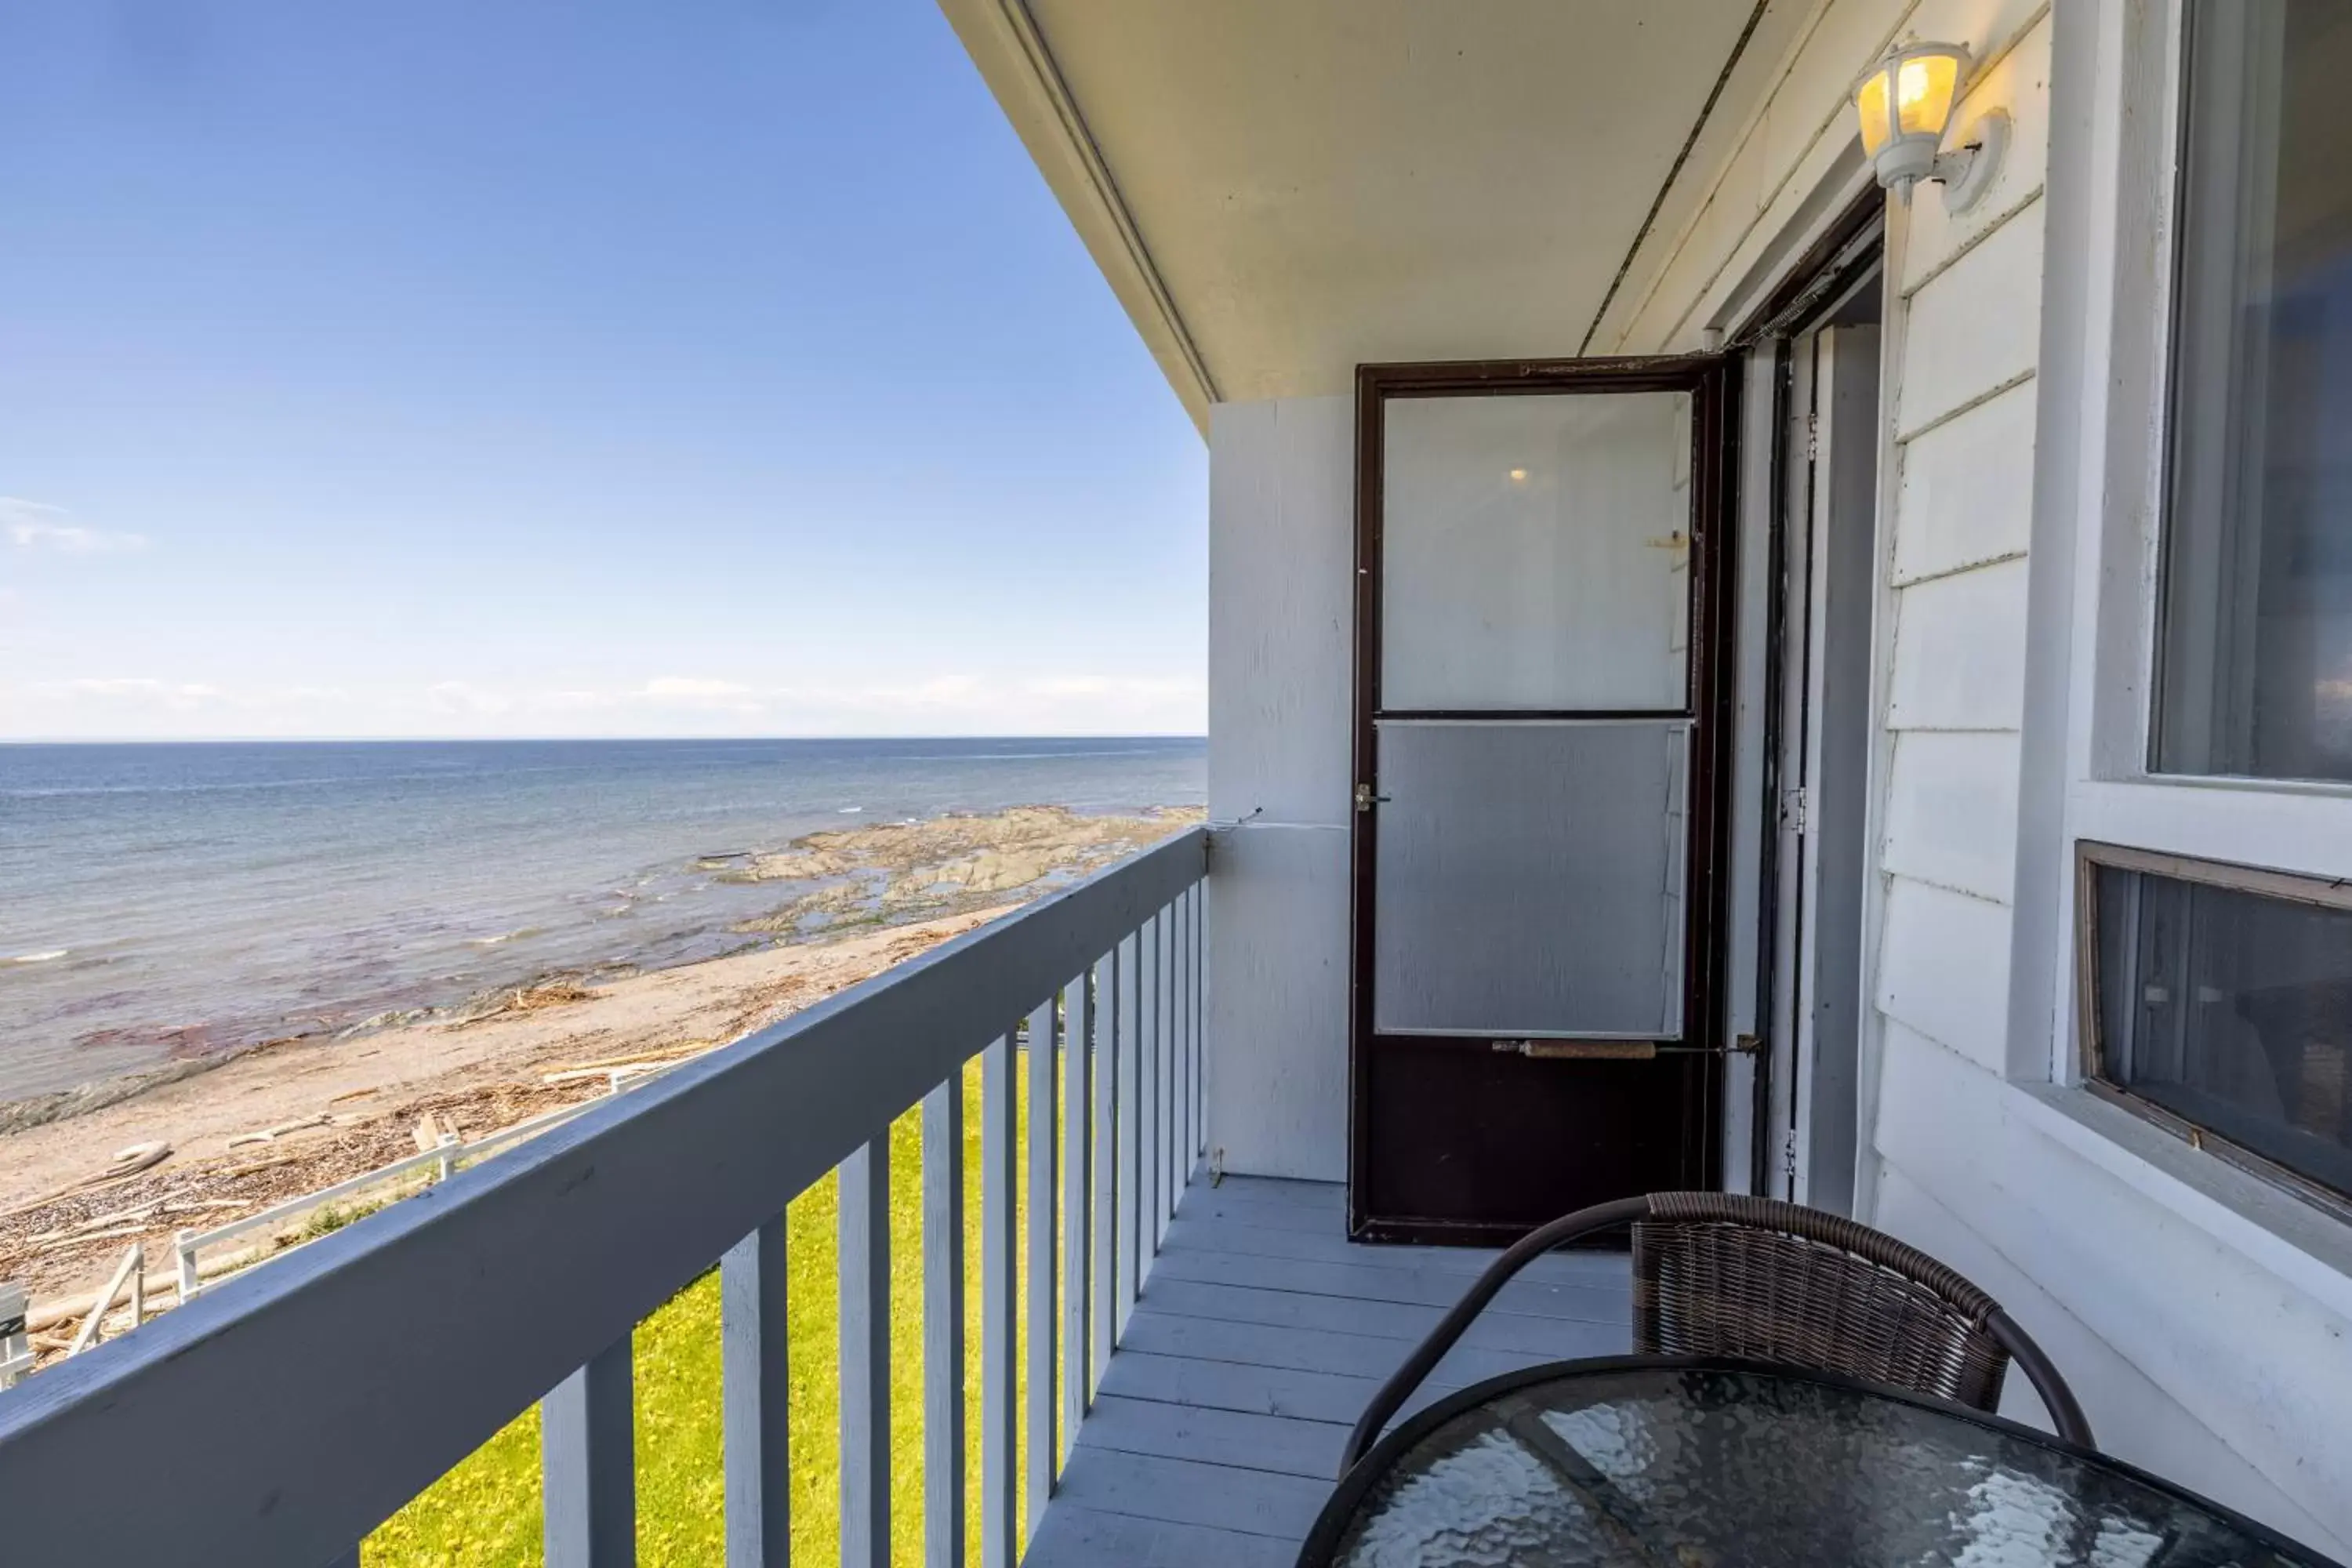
(1967, 171)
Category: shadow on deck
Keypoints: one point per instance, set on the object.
(1260, 1335)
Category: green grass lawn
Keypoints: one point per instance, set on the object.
(486, 1512)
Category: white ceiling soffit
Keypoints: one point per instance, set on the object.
(1280, 189)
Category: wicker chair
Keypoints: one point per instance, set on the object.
(1758, 1279)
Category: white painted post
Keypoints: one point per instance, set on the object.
(15, 1347)
(184, 1247)
(587, 1462)
(1077, 1127)
(1000, 1484)
(943, 1443)
(1106, 1167)
(446, 1166)
(1040, 1389)
(1131, 1129)
(756, 1387)
(864, 1259)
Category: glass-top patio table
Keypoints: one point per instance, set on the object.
(1677, 1462)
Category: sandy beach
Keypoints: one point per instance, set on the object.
(287, 1118)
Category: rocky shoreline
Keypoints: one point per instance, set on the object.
(250, 1128)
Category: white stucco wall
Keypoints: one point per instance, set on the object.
(1281, 626)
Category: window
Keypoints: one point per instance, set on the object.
(2208, 986)
(2220, 1001)
(2254, 638)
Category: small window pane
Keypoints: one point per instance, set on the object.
(1535, 552)
(2255, 646)
(2232, 1011)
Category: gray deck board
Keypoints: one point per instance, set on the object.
(1383, 1282)
(1075, 1537)
(1186, 1491)
(1496, 1328)
(1259, 1335)
(1330, 1197)
(1280, 1443)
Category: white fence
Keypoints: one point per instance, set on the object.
(361, 1366)
(15, 1345)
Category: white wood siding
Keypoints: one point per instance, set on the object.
(1951, 811)
(1966, 496)
(1799, 140)
(2198, 1352)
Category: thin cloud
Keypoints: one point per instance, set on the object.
(1072, 702)
(35, 525)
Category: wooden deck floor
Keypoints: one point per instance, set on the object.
(1261, 1334)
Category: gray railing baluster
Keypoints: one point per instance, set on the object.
(1146, 1083)
(1131, 1129)
(588, 1465)
(1185, 915)
(1171, 1143)
(943, 1453)
(1077, 1127)
(1200, 897)
(1000, 1495)
(1108, 1088)
(865, 1268)
(756, 1387)
(1040, 1388)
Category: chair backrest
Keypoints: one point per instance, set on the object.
(1723, 1274)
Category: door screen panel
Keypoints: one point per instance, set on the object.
(1536, 554)
(1531, 878)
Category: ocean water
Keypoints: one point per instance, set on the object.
(159, 901)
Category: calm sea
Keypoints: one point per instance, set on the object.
(163, 901)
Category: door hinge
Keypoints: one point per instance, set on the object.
(1795, 808)
(1813, 436)
(1365, 799)
(1789, 1156)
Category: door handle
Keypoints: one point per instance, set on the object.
(1583, 1050)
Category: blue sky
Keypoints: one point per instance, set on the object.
(453, 368)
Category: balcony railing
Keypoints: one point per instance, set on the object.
(279, 1417)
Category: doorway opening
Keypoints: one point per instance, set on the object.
(1540, 782)
(1819, 597)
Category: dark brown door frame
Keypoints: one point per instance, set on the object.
(1715, 393)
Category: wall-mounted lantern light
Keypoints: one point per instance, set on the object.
(1906, 105)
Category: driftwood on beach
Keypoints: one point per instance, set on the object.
(305, 1115)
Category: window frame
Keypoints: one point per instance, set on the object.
(2090, 858)
(2089, 787)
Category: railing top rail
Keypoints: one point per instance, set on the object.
(358, 1368)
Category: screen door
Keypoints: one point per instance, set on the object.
(1534, 789)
